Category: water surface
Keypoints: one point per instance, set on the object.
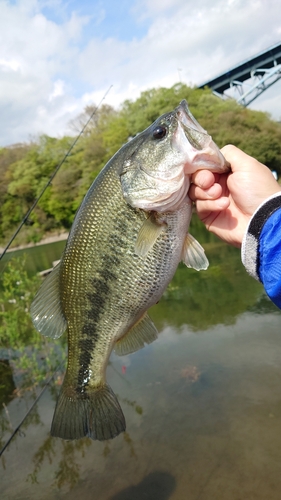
(202, 404)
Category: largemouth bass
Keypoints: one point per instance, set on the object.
(127, 239)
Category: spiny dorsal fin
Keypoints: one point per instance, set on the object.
(193, 254)
(46, 312)
(143, 332)
(147, 236)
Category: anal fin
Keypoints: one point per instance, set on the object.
(143, 332)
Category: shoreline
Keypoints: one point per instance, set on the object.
(45, 241)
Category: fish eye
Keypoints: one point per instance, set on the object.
(159, 132)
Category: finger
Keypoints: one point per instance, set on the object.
(212, 193)
(204, 207)
(239, 160)
(203, 178)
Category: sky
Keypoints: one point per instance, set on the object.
(58, 56)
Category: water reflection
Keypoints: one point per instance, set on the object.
(38, 258)
(67, 455)
(7, 384)
(202, 405)
(67, 467)
(212, 297)
(210, 416)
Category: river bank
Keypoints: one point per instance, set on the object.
(45, 241)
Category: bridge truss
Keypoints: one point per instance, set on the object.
(250, 78)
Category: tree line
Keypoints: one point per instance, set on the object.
(26, 168)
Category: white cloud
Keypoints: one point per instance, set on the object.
(50, 67)
(34, 51)
(199, 41)
(9, 64)
(58, 90)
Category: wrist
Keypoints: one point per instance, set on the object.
(250, 242)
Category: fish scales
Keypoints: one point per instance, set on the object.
(121, 254)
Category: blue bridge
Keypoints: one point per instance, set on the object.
(251, 77)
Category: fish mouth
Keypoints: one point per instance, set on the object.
(199, 139)
(187, 119)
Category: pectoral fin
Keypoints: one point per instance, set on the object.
(193, 254)
(46, 312)
(148, 235)
(143, 332)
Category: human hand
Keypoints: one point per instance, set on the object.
(226, 202)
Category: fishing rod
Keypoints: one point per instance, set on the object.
(25, 218)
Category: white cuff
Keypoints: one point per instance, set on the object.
(250, 243)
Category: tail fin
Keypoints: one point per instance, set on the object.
(96, 414)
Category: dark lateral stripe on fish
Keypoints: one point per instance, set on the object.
(90, 338)
(97, 298)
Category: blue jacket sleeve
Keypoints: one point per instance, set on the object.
(261, 247)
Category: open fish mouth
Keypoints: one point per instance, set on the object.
(197, 137)
(186, 118)
(195, 134)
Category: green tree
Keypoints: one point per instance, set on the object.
(25, 169)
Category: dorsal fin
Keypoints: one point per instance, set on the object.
(46, 311)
